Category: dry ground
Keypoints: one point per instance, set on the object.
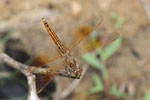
(124, 66)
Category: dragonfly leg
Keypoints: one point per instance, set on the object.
(74, 73)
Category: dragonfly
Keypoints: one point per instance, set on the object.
(65, 63)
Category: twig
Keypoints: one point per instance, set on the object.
(70, 88)
(32, 95)
(147, 9)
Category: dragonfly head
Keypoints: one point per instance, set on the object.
(77, 72)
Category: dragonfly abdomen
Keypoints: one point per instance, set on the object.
(54, 37)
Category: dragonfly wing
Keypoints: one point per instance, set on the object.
(88, 35)
(46, 74)
(42, 60)
(84, 29)
(43, 48)
(94, 41)
(42, 81)
(65, 31)
(86, 26)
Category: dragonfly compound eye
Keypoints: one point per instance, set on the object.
(77, 72)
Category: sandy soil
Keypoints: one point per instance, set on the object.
(125, 67)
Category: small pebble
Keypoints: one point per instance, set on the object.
(140, 63)
(76, 8)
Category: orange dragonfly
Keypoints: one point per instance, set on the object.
(65, 63)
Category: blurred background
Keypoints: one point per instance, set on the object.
(120, 71)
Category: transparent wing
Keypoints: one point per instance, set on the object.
(43, 48)
(46, 73)
(64, 27)
(82, 29)
(89, 37)
(41, 60)
(92, 43)
(85, 29)
(87, 34)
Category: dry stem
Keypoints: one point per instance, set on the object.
(32, 95)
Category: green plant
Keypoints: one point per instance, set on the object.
(116, 92)
(119, 20)
(98, 84)
(147, 95)
(99, 65)
(5, 39)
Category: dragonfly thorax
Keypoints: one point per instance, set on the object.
(71, 66)
(69, 60)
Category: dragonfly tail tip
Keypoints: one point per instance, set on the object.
(39, 91)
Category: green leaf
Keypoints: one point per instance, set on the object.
(119, 23)
(119, 20)
(114, 91)
(114, 15)
(98, 85)
(95, 62)
(5, 39)
(147, 96)
(110, 49)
